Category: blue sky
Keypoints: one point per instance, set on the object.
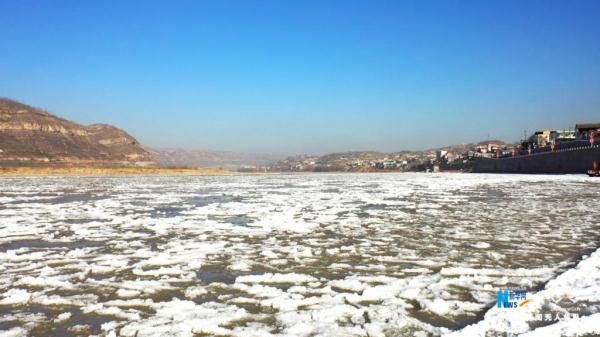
(306, 76)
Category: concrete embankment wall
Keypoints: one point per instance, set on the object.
(577, 160)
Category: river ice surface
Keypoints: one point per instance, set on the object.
(298, 255)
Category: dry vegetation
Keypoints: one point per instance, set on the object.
(109, 171)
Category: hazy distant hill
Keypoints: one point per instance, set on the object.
(31, 136)
(368, 161)
(208, 158)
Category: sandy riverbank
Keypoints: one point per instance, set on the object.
(109, 171)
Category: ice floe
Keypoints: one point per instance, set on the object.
(298, 255)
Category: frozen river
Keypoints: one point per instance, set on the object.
(297, 255)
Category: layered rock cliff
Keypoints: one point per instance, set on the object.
(32, 136)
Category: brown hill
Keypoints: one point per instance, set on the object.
(32, 136)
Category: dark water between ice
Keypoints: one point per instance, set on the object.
(301, 255)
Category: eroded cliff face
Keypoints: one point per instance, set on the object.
(30, 135)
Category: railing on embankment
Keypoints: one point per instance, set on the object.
(576, 159)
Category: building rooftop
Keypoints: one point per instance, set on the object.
(587, 126)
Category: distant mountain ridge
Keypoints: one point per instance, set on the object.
(210, 158)
(30, 135)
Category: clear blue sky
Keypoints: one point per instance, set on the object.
(306, 76)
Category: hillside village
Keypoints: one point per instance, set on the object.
(450, 158)
(371, 161)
